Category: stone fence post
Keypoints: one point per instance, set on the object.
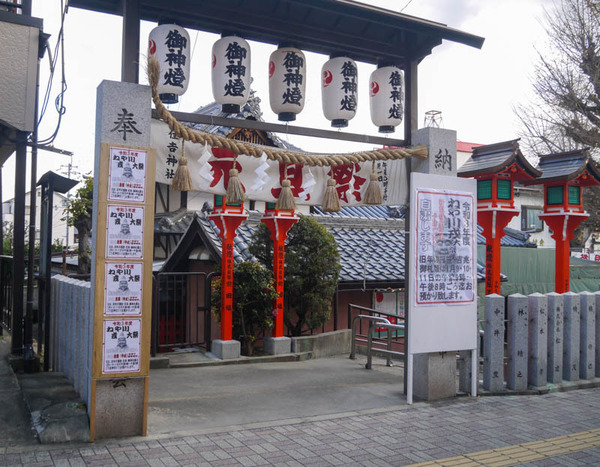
(518, 322)
(538, 340)
(555, 337)
(571, 337)
(493, 344)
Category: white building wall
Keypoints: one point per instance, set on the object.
(59, 226)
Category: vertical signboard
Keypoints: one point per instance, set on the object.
(443, 276)
(123, 266)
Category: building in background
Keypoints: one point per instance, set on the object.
(61, 233)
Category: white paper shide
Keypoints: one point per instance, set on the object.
(121, 346)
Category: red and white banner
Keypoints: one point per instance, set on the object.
(588, 256)
(261, 178)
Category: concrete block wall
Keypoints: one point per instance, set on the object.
(71, 332)
(549, 339)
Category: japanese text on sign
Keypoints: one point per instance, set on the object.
(127, 176)
(445, 266)
(121, 346)
(176, 59)
(125, 232)
(123, 283)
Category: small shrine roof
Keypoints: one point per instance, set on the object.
(250, 110)
(497, 157)
(566, 166)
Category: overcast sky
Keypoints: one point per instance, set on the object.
(475, 89)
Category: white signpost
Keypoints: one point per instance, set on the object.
(442, 305)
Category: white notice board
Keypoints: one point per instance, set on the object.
(443, 264)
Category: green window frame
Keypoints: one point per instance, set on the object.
(484, 189)
(504, 189)
(574, 195)
(555, 195)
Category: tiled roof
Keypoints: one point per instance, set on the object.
(371, 249)
(368, 212)
(511, 237)
(494, 158)
(567, 166)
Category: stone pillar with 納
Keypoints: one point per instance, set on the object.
(279, 222)
(436, 193)
(496, 167)
(227, 219)
(564, 177)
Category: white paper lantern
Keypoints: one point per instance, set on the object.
(231, 73)
(339, 84)
(287, 82)
(386, 97)
(170, 44)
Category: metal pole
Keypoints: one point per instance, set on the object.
(369, 346)
(48, 275)
(1, 216)
(407, 276)
(18, 264)
(28, 322)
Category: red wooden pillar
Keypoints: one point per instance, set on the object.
(279, 223)
(227, 219)
(493, 221)
(563, 225)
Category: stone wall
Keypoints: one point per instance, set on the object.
(71, 322)
(531, 342)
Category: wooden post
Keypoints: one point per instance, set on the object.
(563, 227)
(228, 219)
(279, 224)
(493, 221)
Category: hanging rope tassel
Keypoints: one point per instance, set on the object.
(182, 180)
(331, 199)
(235, 191)
(286, 201)
(374, 194)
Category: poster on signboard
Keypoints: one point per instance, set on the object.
(389, 301)
(123, 289)
(125, 231)
(445, 248)
(121, 346)
(127, 175)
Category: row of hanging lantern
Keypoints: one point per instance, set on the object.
(231, 78)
